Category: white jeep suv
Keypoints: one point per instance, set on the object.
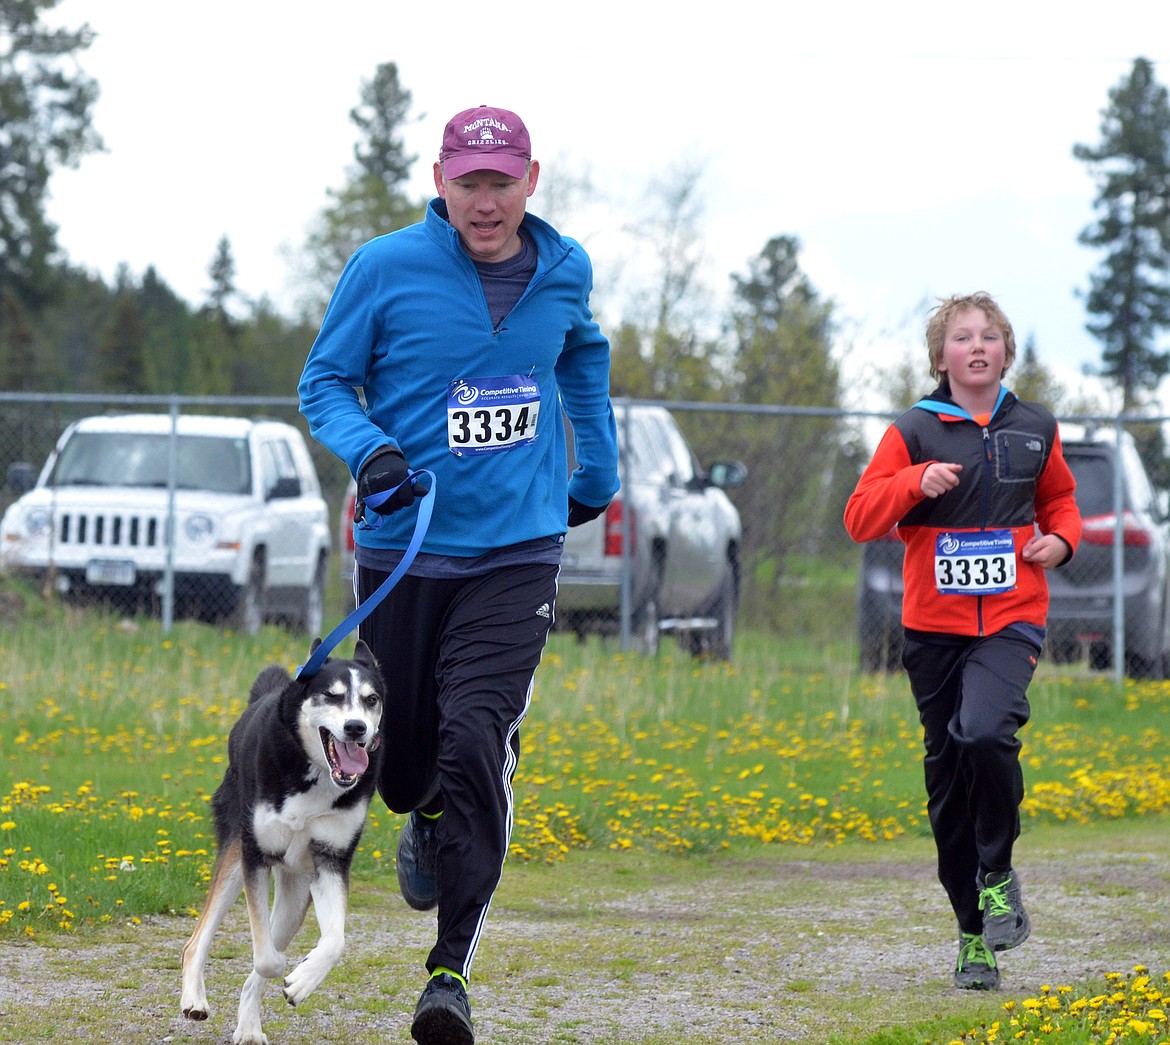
(222, 514)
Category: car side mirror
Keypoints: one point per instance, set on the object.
(285, 487)
(727, 474)
(22, 477)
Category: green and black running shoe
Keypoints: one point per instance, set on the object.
(976, 969)
(1005, 922)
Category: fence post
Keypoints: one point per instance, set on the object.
(1118, 558)
(625, 609)
(168, 579)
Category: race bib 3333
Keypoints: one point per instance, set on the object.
(975, 563)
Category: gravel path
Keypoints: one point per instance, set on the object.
(730, 950)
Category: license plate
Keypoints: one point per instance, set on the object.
(110, 571)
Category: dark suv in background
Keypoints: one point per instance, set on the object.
(879, 604)
(1080, 615)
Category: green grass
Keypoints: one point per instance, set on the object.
(113, 739)
(637, 775)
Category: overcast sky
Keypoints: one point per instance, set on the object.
(916, 149)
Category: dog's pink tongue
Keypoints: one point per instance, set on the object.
(352, 758)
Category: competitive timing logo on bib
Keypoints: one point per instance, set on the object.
(465, 393)
(981, 543)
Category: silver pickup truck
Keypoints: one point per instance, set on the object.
(669, 543)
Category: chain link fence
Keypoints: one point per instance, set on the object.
(667, 562)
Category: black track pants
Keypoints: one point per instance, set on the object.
(972, 701)
(459, 658)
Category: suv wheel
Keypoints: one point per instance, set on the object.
(880, 639)
(716, 641)
(1139, 666)
(248, 615)
(644, 633)
(1100, 655)
(722, 636)
(882, 651)
(644, 628)
(312, 615)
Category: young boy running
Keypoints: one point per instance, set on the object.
(976, 483)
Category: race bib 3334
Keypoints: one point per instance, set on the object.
(488, 414)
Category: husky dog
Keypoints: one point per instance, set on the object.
(303, 761)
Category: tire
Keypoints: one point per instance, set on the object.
(1061, 649)
(1100, 655)
(644, 634)
(247, 616)
(721, 639)
(1140, 667)
(716, 642)
(880, 648)
(311, 619)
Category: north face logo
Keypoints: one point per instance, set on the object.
(543, 611)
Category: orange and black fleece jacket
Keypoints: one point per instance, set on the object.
(1014, 480)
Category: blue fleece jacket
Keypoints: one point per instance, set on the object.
(408, 324)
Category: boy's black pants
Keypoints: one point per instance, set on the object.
(972, 701)
(459, 658)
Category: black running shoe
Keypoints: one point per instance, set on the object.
(1005, 922)
(976, 969)
(443, 1014)
(418, 870)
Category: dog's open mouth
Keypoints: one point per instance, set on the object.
(347, 761)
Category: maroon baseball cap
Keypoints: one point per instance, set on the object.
(485, 139)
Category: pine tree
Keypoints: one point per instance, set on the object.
(782, 349)
(380, 117)
(1031, 379)
(45, 105)
(1129, 296)
(222, 271)
(16, 345)
(372, 201)
(121, 360)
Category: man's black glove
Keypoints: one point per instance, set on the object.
(386, 469)
(582, 513)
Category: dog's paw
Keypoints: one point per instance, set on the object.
(305, 979)
(196, 1010)
(252, 1036)
(296, 992)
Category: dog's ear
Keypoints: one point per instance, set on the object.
(364, 655)
(313, 646)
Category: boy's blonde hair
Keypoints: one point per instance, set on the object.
(948, 308)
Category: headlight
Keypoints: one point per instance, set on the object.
(199, 528)
(38, 521)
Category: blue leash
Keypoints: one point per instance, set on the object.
(426, 507)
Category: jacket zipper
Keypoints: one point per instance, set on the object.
(983, 510)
